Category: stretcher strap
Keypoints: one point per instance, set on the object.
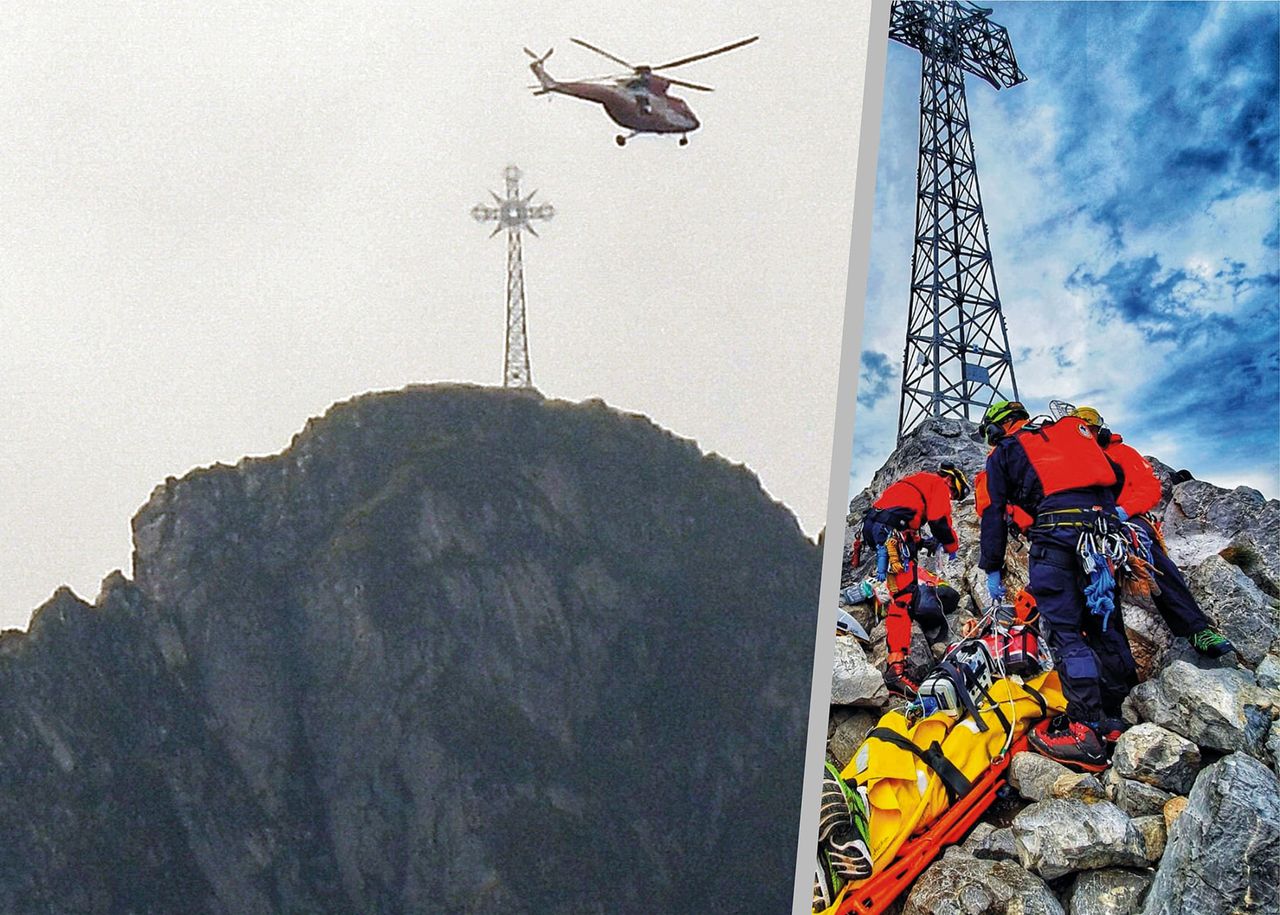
(1036, 695)
(952, 778)
(959, 677)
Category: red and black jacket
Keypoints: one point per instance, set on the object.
(1142, 491)
(928, 497)
(1043, 468)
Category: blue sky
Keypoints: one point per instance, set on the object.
(1131, 189)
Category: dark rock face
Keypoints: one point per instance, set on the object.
(1224, 850)
(456, 649)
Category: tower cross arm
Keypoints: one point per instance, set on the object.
(959, 33)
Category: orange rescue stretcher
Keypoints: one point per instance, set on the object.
(874, 895)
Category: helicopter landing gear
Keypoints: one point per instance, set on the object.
(684, 141)
(622, 140)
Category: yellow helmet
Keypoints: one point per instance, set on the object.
(957, 482)
(1091, 416)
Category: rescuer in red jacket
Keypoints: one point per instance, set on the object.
(1059, 476)
(1015, 519)
(1141, 494)
(893, 526)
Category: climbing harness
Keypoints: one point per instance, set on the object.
(1107, 549)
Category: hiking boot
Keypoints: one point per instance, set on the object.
(897, 681)
(843, 850)
(1071, 743)
(1110, 729)
(1210, 643)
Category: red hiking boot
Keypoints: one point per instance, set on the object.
(1110, 729)
(1071, 743)
(897, 681)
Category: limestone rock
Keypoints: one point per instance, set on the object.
(1223, 853)
(1220, 709)
(1242, 611)
(853, 680)
(1134, 797)
(1111, 891)
(998, 845)
(1267, 672)
(1081, 786)
(1149, 753)
(1154, 835)
(1203, 518)
(1057, 837)
(1033, 775)
(961, 883)
(849, 735)
(1173, 809)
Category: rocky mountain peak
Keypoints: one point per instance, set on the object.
(455, 648)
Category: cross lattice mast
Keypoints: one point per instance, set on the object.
(513, 213)
(956, 360)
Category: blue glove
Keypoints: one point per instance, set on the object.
(995, 587)
(1122, 514)
(882, 562)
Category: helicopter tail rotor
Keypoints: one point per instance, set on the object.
(545, 83)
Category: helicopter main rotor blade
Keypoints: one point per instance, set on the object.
(688, 60)
(591, 47)
(680, 82)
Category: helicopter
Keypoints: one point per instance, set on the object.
(638, 100)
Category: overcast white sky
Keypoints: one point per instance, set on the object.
(218, 220)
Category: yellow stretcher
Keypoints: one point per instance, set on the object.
(929, 782)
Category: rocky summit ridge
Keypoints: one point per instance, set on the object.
(1187, 818)
(454, 649)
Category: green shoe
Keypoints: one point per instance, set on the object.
(1210, 644)
(844, 852)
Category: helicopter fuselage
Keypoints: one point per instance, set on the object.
(639, 104)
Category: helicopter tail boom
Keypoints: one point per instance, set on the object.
(546, 82)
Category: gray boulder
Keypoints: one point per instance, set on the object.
(1134, 797)
(919, 657)
(1243, 612)
(1034, 775)
(1241, 524)
(1223, 852)
(1222, 709)
(1112, 891)
(1058, 837)
(1268, 672)
(1080, 786)
(849, 733)
(853, 680)
(991, 844)
(960, 884)
(1149, 753)
(1154, 835)
(1273, 744)
(999, 846)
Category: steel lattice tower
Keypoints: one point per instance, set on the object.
(956, 360)
(513, 213)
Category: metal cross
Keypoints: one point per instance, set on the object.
(514, 213)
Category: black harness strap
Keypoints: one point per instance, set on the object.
(952, 778)
(1035, 694)
(959, 675)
